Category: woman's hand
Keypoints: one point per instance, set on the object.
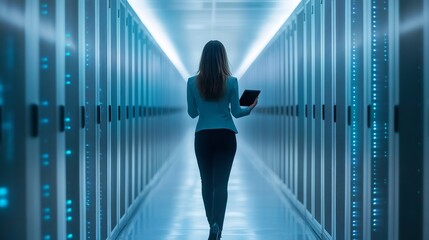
(254, 104)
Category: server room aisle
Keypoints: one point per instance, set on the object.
(174, 210)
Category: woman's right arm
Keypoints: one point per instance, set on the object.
(192, 105)
(236, 109)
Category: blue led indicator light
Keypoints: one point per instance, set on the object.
(69, 202)
(47, 237)
(69, 236)
(69, 218)
(3, 191)
(67, 119)
(68, 54)
(68, 152)
(3, 197)
(3, 203)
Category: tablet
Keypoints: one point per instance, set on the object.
(249, 97)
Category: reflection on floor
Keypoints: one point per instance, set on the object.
(174, 209)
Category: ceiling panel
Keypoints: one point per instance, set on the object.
(182, 27)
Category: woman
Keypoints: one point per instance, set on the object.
(210, 94)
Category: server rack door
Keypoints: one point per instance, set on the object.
(60, 119)
(328, 126)
(289, 102)
(295, 107)
(48, 123)
(293, 100)
(144, 103)
(282, 115)
(317, 113)
(149, 105)
(410, 120)
(357, 125)
(378, 120)
(426, 125)
(130, 122)
(122, 87)
(102, 114)
(17, 76)
(308, 96)
(278, 117)
(28, 121)
(91, 128)
(72, 120)
(300, 106)
(114, 115)
(287, 96)
(341, 123)
(138, 100)
(126, 104)
(108, 119)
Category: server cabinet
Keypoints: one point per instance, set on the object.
(318, 157)
(340, 114)
(127, 105)
(293, 110)
(149, 109)
(299, 107)
(377, 120)
(355, 75)
(122, 111)
(281, 108)
(308, 103)
(328, 116)
(143, 99)
(410, 119)
(114, 113)
(18, 136)
(103, 101)
(51, 119)
(426, 120)
(90, 119)
(138, 113)
(73, 129)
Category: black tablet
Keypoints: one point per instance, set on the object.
(249, 97)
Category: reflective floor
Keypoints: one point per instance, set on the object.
(174, 209)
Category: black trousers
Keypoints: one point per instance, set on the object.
(215, 150)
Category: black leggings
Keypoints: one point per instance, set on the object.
(215, 151)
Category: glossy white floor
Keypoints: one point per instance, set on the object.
(174, 209)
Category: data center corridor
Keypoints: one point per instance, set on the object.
(256, 210)
(96, 142)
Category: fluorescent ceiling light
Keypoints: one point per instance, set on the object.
(266, 35)
(144, 12)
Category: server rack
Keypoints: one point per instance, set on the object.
(426, 120)
(75, 90)
(348, 141)
(14, 208)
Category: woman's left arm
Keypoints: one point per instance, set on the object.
(192, 105)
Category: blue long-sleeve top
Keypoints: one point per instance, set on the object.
(215, 114)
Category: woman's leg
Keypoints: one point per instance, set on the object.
(203, 153)
(223, 157)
